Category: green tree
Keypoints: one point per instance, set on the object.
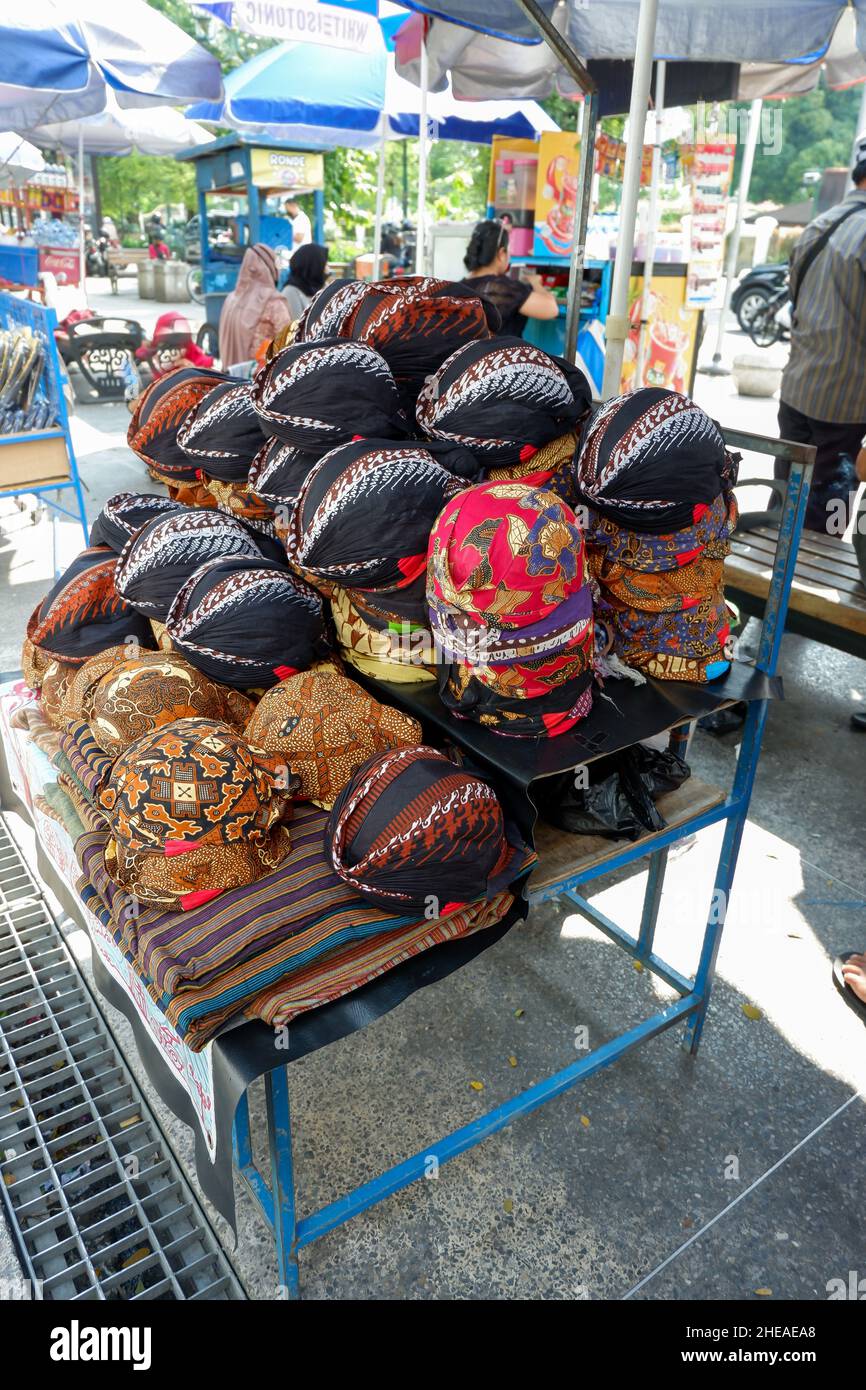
(817, 130)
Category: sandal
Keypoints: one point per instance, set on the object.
(844, 989)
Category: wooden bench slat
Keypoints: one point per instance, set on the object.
(561, 853)
(808, 572)
(810, 541)
(839, 561)
(817, 601)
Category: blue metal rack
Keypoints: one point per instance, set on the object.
(277, 1199)
(46, 474)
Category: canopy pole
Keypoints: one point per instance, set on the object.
(650, 249)
(420, 235)
(81, 223)
(616, 327)
(380, 200)
(861, 125)
(716, 368)
(587, 121)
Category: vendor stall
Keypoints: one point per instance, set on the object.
(319, 726)
(256, 173)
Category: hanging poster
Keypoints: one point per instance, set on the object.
(556, 193)
(709, 168)
(669, 360)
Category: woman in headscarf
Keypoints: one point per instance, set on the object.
(306, 277)
(255, 311)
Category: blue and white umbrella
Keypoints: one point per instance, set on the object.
(59, 57)
(320, 97)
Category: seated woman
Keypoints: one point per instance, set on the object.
(487, 260)
(255, 311)
(306, 277)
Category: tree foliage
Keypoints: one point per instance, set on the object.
(817, 131)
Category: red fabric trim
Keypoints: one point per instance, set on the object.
(282, 673)
(193, 900)
(686, 557)
(527, 452)
(411, 567)
(173, 847)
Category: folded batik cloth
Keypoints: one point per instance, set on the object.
(54, 691)
(503, 400)
(81, 615)
(609, 544)
(315, 396)
(652, 461)
(278, 472)
(124, 514)
(160, 558)
(412, 830)
(193, 809)
(159, 413)
(658, 591)
(400, 652)
(247, 623)
(139, 696)
(511, 610)
(239, 951)
(363, 520)
(416, 322)
(222, 433)
(189, 494)
(551, 467)
(690, 644)
(76, 699)
(325, 727)
(236, 499)
(329, 311)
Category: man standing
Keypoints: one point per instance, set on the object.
(823, 396)
(302, 229)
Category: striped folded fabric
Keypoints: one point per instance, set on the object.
(89, 764)
(341, 971)
(234, 953)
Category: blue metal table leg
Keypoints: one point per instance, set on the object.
(679, 739)
(243, 1151)
(282, 1179)
(652, 898)
(744, 778)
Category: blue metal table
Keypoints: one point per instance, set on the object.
(276, 1197)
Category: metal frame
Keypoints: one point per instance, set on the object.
(43, 323)
(277, 1200)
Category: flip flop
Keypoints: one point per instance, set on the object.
(846, 992)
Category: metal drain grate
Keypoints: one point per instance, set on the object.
(96, 1202)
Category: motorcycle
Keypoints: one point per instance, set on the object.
(754, 290)
(96, 255)
(771, 322)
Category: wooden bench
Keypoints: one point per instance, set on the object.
(828, 600)
(124, 261)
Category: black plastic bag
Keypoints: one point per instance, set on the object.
(619, 801)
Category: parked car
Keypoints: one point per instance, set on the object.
(755, 288)
(219, 229)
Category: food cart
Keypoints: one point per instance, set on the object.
(250, 171)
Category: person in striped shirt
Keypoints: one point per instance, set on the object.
(823, 395)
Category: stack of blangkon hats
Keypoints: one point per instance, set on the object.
(657, 484)
(511, 610)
